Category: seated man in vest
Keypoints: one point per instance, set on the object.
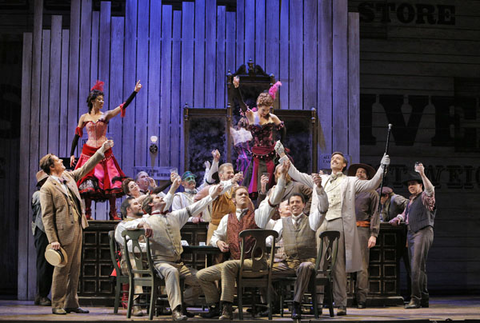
(166, 246)
(225, 237)
(419, 215)
(298, 242)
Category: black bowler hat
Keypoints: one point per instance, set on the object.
(413, 177)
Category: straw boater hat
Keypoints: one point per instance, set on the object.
(352, 170)
(41, 175)
(56, 258)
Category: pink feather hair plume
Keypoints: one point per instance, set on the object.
(273, 89)
(98, 86)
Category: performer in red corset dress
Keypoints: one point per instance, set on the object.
(105, 181)
(263, 126)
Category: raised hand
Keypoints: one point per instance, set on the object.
(280, 150)
(107, 145)
(317, 179)
(138, 86)
(216, 155)
(385, 160)
(236, 81)
(72, 161)
(217, 191)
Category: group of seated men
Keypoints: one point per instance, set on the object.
(229, 209)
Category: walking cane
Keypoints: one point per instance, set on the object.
(384, 169)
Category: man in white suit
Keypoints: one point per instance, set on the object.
(340, 216)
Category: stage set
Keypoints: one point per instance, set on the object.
(187, 55)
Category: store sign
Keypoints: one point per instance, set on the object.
(407, 13)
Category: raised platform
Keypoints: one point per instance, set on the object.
(441, 309)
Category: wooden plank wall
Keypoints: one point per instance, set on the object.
(414, 69)
(181, 57)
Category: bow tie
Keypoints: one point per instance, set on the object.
(335, 176)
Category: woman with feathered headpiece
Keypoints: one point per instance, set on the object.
(262, 124)
(105, 181)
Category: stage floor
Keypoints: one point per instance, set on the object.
(465, 308)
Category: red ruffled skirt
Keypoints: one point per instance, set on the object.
(104, 181)
(262, 162)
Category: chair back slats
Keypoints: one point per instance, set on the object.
(114, 255)
(258, 251)
(143, 266)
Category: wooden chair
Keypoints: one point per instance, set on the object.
(257, 276)
(326, 258)
(121, 278)
(144, 273)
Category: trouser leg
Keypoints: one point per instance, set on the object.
(419, 244)
(362, 276)
(44, 269)
(207, 278)
(171, 275)
(304, 272)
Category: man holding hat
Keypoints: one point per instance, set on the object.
(368, 226)
(419, 215)
(64, 219)
(44, 269)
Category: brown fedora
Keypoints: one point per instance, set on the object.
(56, 258)
(352, 170)
(41, 175)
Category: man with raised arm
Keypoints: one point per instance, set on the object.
(226, 238)
(64, 220)
(340, 190)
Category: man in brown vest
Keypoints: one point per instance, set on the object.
(223, 204)
(64, 220)
(225, 237)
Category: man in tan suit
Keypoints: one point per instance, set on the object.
(63, 220)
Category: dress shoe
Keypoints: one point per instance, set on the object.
(187, 313)
(77, 310)
(45, 301)
(362, 305)
(297, 311)
(413, 304)
(59, 311)
(137, 311)
(177, 314)
(425, 303)
(37, 300)
(213, 311)
(275, 310)
(227, 312)
(342, 310)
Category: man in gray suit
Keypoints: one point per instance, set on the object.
(64, 220)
